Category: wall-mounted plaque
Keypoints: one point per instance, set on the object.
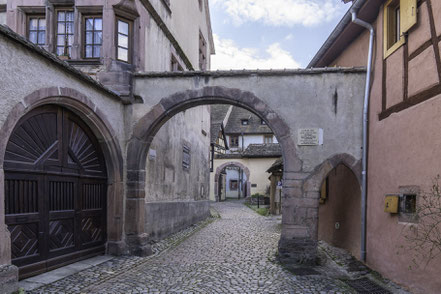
(310, 137)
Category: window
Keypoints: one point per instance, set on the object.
(399, 17)
(408, 203)
(268, 139)
(93, 36)
(200, 5)
(245, 122)
(123, 40)
(262, 122)
(37, 30)
(186, 157)
(233, 185)
(175, 66)
(202, 52)
(65, 32)
(234, 141)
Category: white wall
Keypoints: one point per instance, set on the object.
(249, 139)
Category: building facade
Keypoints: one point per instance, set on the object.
(403, 125)
(111, 42)
(240, 170)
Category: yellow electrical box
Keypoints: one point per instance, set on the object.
(391, 203)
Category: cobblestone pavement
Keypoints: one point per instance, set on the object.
(233, 254)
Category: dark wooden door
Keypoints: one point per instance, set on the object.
(55, 191)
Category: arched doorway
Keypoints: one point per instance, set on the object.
(55, 191)
(340, 209)
(220, 183)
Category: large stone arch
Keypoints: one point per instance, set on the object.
(149, 124)
(227, 164)
(82, 106)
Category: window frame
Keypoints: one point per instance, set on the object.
(65, 9)
(265, 137)
(83, 39)
(28, 30)
(130, 38)
(390, 24)
(231, 141)
(203, 59)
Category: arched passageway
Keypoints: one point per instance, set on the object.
(217, 179)
(146, 128)
(339, 220)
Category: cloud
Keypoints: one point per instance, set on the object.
(281, 12)
(289, 37)
(230, 56)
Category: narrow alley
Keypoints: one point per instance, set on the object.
(232, 253)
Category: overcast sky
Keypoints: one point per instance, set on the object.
(273, 34)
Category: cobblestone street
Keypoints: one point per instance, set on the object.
(235, 253)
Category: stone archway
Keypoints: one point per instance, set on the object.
(149, 124)
(86, 110)
(227, 164)
(306, 208)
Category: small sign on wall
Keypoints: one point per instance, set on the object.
(310, 137)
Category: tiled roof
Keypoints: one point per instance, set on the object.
(277, 166)
(263, 150)
(255, 151)
(217, 116)
(255, 126)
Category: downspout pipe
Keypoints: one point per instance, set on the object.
(367, 93)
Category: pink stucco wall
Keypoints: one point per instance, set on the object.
(342, 206)
(404, 148)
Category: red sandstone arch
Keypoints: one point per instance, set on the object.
(227, 164)
(146, 128)
(82, 106)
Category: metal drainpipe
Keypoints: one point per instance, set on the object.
(365, 131)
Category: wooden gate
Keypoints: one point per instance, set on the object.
(55, 191)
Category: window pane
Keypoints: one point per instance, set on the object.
(70, 16)
(70, 40)
(61, 28)
(61, 16)
(96, 51)
(123, 27)
(89, 52)
(60, 50)
(33, 24)
(42, 24)
(33, 37)
(98, 38)
(61, 40)
(89, 38)
(98, 24)
(41, 38)
(70, 28)
(123, 54)
(89, 24)
(123, 41)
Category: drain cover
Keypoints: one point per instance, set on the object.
(366, 286)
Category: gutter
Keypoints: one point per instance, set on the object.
(347, 19)
(369, 27)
